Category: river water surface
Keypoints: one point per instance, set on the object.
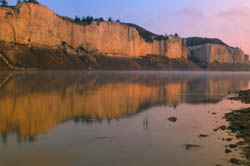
(109, 118)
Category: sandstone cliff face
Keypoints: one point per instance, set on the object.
(217, 53)
(37, 25)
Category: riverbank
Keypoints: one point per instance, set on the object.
(239, 124)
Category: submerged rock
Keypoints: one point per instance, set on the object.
(228, 139)
(228, 151)
(172, 119)
(190, 146)
(223, 127)
(203, 136)
(232, 146)
(235, 161)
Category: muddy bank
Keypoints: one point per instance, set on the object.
(239, 121)
(239, 124)
(243, 96)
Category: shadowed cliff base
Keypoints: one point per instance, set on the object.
(228, 67)
(23, 56)
(14, 56)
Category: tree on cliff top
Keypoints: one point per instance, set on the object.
(4, 3)
(110, 19)
(33, 1)
(77, 19)
(100, 19)
(89, 19)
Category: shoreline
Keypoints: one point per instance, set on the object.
(239, 124)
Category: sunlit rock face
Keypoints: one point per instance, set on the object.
(33, 103)
(217, 53)
(37, 25)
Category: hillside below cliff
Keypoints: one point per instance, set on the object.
(34, 37)
(19, 56)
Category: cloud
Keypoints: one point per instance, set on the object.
(238, 13)
(233, 25)
(191, 12)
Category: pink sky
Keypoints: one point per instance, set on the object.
(227, 20)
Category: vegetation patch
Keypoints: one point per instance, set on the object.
(243, 96)
(194, 41)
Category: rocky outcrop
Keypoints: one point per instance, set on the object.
(210, 51)
(215, 53)
(34, 24)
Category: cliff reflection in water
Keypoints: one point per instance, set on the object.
(32, 103)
